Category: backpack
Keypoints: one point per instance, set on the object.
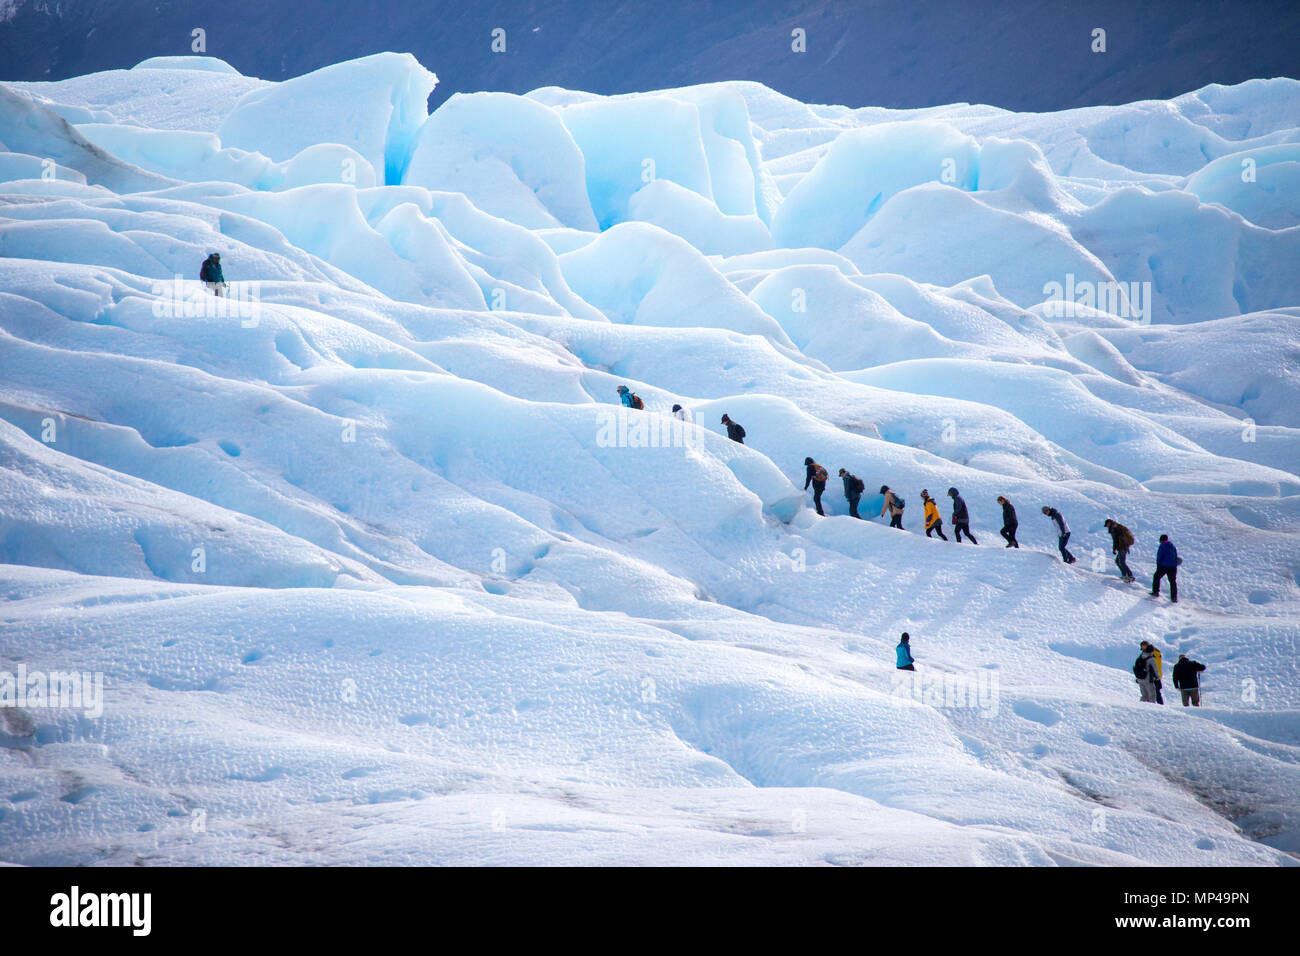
(1140, 668)
(636, 401)
(1125, 537)
(819, 474)
(858, 486)
(899, 503)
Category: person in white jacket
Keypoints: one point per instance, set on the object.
(1063, 533)
(1144, 669)
(682, 414)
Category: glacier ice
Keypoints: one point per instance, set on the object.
(383, 560)
(375, 105)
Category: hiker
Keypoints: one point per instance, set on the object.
(817, 478)
(894, 505)
(1121, 539)
(1063, 532)
(1167, 561)
(630, 399)
(853, 488)
(1160, 669)
(210, 273)
(904, 651)
(933, 520)
(1144, 669)
(734, 431)
(682, 414)
(1009, 522)
(960, 517)
(1187, 680)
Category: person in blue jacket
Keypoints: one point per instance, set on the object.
(1167, 561)
(626, 395)
(904, 651)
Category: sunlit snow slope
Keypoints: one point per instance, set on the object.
(371, 577)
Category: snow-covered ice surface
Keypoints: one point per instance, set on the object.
(376, 573)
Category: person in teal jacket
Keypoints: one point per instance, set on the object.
(904, 651)
(211, 275)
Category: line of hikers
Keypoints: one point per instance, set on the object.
(631, 399)
(1167, 559)
(1148, 669)
(816, 476)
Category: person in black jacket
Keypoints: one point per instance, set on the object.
(817, 478)
(1187, 681)
(1063, 533)
(960, 517)
(1009, 522)
(853, 488)
(734, 431)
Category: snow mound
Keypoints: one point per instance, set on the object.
(862, 170)
(180, 99)
(206, 64)
(937, 234)
(1261, 185)
(640, 275)
(27, 127)
(687, 214)
(199, 157)
(509, 155)
(374, 105)
(698, 139)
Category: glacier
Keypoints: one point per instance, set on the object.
(376, 570)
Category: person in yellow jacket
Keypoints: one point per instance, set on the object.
(1159, 668)
(933, 520)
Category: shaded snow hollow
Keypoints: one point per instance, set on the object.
(376, 573)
